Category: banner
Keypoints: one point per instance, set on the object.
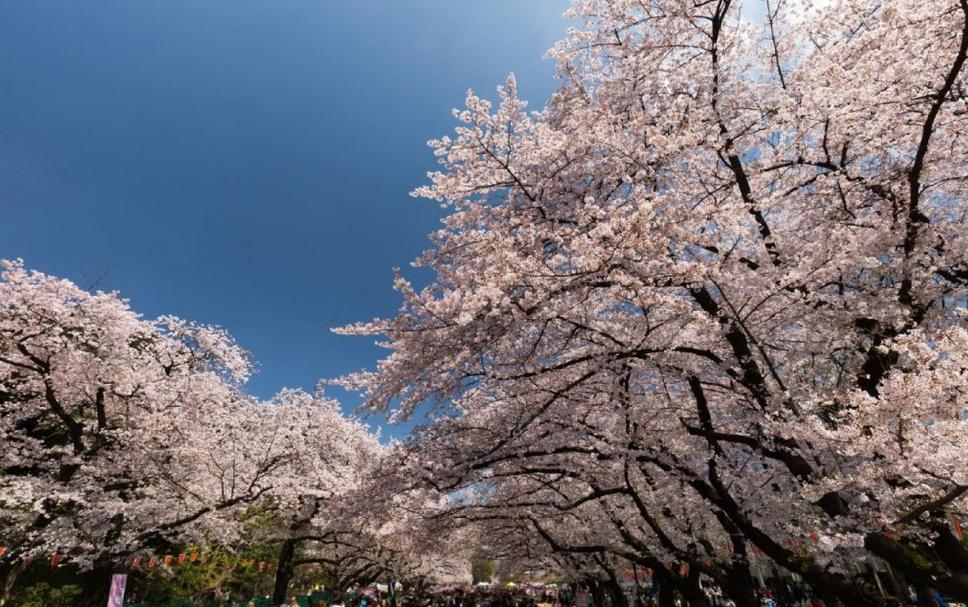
(118, 582)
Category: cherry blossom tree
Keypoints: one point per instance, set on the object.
(331, 463)
(102, 408)
(121, 433)
(381, 529)
(717, 288)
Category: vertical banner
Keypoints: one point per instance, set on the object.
(118, 582)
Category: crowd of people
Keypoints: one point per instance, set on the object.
(774, 595)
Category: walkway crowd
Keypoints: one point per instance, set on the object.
(791, 595)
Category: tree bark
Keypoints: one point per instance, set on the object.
(740, 585)
(284, 572)
(692, 590)
(96, 584)
(616, 595)
(8, 577)
(598, 597)
(919, 568)
(948, 547)
(667, 590)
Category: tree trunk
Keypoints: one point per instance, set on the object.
(949, 548)
(692, 590)
(740, 585)
(96, 584)
(667, 595)
(284, 572)
(898, 582)
(616, 594)
(667, 590)
(919, 567)
(598, 597)
(8, 577)
(829, 585)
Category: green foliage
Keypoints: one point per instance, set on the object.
(221, 575)
(482, 570)
(217, 576)
(43, 594)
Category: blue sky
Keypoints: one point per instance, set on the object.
(241, 162)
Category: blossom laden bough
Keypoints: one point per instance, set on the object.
(716, 288)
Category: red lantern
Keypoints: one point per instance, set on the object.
(136, 562)
(181, 558)
(54, 559)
